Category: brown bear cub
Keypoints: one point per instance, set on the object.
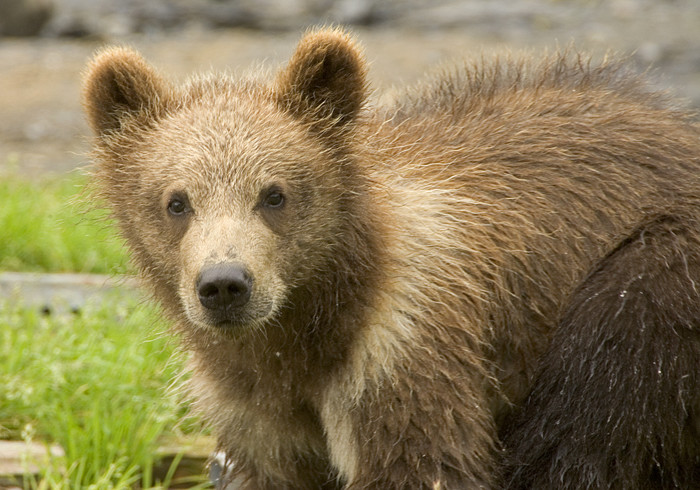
(492, 281)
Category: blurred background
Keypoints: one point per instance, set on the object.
(89, 377)
(44, 45)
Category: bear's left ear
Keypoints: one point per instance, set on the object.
(325, 80)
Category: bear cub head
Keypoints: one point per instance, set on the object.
(233, 194)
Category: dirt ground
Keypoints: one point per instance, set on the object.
(42, 128)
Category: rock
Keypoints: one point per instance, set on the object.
(24, 17)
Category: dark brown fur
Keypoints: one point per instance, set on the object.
(442, 284)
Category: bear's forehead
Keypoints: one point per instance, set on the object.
(235, 115)
(235, 141)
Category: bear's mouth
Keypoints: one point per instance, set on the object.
(230, 319)
(226, 322)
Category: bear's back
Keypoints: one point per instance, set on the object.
(519, 177)
(529, 154)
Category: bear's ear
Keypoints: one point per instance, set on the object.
(325, 80)
(120, 85)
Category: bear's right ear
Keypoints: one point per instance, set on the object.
(120, 85)
(324, 82)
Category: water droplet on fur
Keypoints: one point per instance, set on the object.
(278, 354)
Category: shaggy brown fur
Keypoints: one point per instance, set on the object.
(367, 292)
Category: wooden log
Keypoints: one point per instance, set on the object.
(192, 468)
(19, 459)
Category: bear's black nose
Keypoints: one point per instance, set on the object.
(221, 286)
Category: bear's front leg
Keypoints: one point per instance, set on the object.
(419, 423)
(260, 452)
(267, 439)
(303, 472)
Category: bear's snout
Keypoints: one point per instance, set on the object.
(223, 287)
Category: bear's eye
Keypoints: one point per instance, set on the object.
(177, 206)
(274, 199)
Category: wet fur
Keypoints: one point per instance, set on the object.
(445, 284)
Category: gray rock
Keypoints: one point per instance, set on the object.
(24, 17)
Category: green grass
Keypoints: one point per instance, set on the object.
(95, 383)
(47, 226)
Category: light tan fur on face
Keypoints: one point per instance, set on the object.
(232, 236)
